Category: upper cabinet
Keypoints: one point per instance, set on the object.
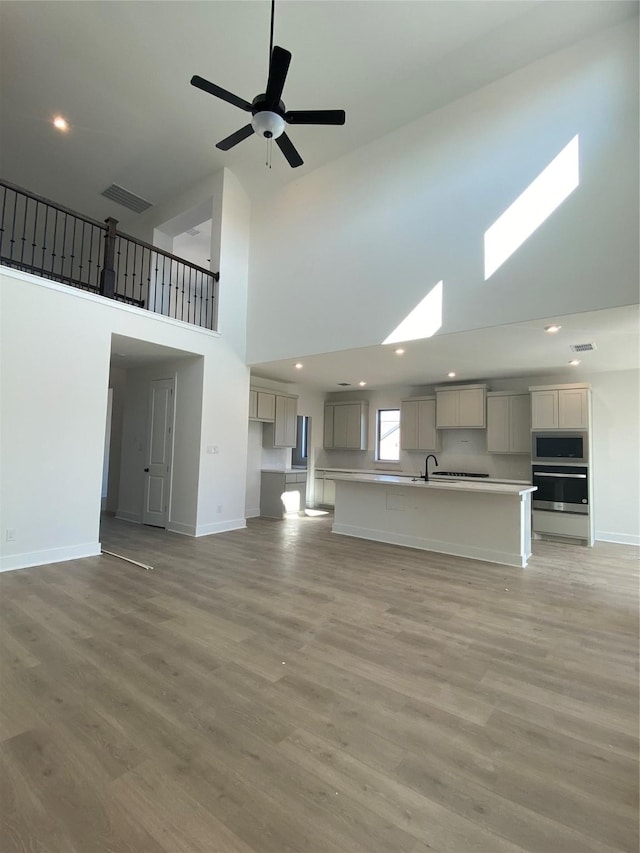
(462, 407)
(508, 423)
(418, 424)
(282, 432)
(560, 407)
(262, 405)
(346, 425)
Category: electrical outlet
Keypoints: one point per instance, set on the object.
(213, 448)
(10, 534)
(219, 509)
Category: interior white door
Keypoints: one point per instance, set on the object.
(160, 450)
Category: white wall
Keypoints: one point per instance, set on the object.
(55, 351)
(360, 241)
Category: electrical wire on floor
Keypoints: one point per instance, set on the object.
(129, 560)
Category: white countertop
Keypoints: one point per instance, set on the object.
(460, 485)
(404, 475)
(283, 470)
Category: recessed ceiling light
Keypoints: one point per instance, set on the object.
(451, 374)
(61, 123)
(574, 362)
(399, 351)
(362, 383)
(298, 366)
(552, 329)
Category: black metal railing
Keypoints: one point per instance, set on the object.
(51, 241)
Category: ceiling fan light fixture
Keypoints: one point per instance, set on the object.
(268, 124)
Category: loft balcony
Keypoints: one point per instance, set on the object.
(53, 242)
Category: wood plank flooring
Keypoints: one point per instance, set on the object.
(284, 690)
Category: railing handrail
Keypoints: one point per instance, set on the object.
(159, 251)
(103, 226)
(60, 207)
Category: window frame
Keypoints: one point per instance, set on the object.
(377, 456)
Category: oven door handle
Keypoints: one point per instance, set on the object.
(567, 476)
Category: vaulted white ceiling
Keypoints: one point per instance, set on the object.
(120, 71)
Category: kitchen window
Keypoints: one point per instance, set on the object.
(388, 435)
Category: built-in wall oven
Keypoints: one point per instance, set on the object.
(558, 446)
(561, 488)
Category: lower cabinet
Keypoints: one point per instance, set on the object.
(508, 423)
(282, 493)
(324, 491)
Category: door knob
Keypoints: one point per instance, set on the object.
(146, 470)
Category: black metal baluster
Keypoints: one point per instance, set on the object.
(44, 236)
(34, 236)
(4, 205)
(24, 228)
(73, 247)
(13, 226)
(64, 243)
(55, 238)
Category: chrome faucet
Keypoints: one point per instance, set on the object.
(426, 466)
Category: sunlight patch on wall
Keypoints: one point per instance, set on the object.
(532, 207)
(423, 322)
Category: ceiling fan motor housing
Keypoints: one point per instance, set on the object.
(267, 122)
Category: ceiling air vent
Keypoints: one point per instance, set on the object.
(344, 384)
(126, 198)
(582, 347)
(192, 232)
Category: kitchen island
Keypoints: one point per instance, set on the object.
(483, 521)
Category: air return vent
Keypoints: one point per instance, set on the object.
(582, 347)
(192, 232)
(126, 198)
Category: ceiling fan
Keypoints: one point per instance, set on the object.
(268, 112)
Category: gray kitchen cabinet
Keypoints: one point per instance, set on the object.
(282, 492)
(262, 405)
(418, 424)
(508, 423)
(346, 425)
(462, 407)
(282, 432)
(560, 408)
(324, 490)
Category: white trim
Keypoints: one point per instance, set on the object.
(135, 517)
(179, 527)
(254, 512)
(221, 527)
(101, 300)
(51, 555)
(618, 538)
(490, 556)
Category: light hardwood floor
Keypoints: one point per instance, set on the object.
(284, 689)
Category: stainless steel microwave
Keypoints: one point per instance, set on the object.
(560, 446)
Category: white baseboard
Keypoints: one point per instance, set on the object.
(503, 557)
(50, 555)
(254, 512)
(221, 527)
(183, 529)
(618, 538)
(123, 515)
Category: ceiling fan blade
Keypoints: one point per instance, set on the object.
(315, 117)
(278, 67)
(212, 89)
(238, 136)
(286, 146)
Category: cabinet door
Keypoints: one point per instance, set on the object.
(285, 422)
(409, 425)
(327, 441)
(427, 435)
(572, 408)
(498, 424)
(519, 423)
(354, 426)
(544, 410)
(253, 405)
(471, 407)
(290, 422)
(266, 406)
(329, 493)
(447, 408)
(340, 425)
(318, 490)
